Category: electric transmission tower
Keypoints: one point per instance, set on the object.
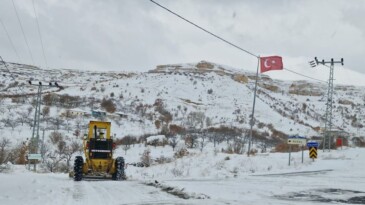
(327, 136)
(34, 142)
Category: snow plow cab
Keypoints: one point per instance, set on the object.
(98, 149)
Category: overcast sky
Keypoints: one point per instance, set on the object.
(136, 35)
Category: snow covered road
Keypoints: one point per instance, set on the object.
(29, 188)
(337, 177)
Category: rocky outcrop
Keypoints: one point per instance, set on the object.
(240, 78)
(270, 87)
(345, 102)
(305, 88)
(204, 65)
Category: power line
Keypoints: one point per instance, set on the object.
(205, 30)
(305, 75)
(12, 76)
(226, 41)
(40, 36)
(9, 38)
(21, 27)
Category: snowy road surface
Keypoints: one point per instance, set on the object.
(59, 189)
(29, 188)
(337, 178)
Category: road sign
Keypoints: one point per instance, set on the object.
(313, 153)
(298, 140)
(35, 156)
(312, 144)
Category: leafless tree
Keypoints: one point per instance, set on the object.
(2, 100)
(10, 122)
(126, 148)
(191, 140)
(4, 149)
(202, 142)
(30, 110)
(52, 160)
(195, 120)
(57, 122)
(78, 123)
(23, 116)
(173, 142)
(71, 149)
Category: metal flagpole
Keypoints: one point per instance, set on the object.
(252, 121)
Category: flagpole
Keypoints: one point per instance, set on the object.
(252, 121)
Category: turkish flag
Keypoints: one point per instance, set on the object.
(271, 63)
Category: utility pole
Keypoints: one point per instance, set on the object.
(34, 142)
(327, 138)
(252, 120)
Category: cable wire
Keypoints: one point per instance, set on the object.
(9, 38)
(21, 27)
(40, 35)
(305, 75)
(224, 40)
(205, 30)
(11, 74)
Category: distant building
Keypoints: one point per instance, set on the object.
(122, 115)
(74, 113)
(98, 113)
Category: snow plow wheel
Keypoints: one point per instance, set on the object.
(79, 162)
(119, 172)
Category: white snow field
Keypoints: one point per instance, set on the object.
(336, 177)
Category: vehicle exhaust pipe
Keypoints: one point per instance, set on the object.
(95, 134)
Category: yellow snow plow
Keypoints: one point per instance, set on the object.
(98, 150)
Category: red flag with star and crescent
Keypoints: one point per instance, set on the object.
(271, 63)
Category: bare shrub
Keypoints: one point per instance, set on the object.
(253, 152)
(146, 158)
(284, 147)
(181, 152)
(108, 105)
(177, 172)
(228, 150)
(176, 129)
(18, 153)
(157, 124)
(191, 141)
(55, 137)
(163, 160)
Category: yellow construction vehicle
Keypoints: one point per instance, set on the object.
(98, 149)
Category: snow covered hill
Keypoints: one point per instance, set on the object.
(194, 96)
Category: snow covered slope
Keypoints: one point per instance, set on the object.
(223, 94)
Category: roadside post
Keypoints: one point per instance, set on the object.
(296, 140)
(34, 157)
(312, 146)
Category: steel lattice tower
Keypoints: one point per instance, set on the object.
(34, 143)
(327, 138)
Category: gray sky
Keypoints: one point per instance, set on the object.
(136, 35)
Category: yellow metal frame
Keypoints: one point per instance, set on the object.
(99, 124)
(98, 166)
